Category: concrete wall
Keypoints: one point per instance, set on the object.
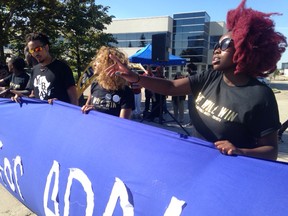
(139, 25)
(216, 28)
(150, 24)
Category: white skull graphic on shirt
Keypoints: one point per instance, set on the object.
(42, 84)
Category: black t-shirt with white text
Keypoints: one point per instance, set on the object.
(17, 82)
(51, 81)
(239, 114)
(111, 102)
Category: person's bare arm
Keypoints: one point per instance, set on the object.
(87, 106)
(73, 96)
(21, 92)
(267, 148)
(158, 85)
(88, 100)
(2, 82)
(125, 113)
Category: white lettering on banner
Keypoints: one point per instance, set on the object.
(9, 179)
(18, 162)
(119, 190)
(1, 170)
(9, 175)
(175, 207)
(55, 169)
(84, 180)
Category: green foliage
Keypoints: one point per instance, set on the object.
(75, 75)
(18, 18)
(75, 27)
(276, 72)
(83, 31)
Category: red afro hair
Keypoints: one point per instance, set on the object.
(258, 46)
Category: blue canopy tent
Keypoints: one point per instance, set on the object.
(144, 56)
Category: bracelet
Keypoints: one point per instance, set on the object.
(138, 79)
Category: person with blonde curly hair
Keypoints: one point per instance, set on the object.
(109, 94)
(232, 109)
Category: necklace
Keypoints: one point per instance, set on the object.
(43, 67)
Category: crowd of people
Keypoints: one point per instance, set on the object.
(50, 78)
(227, 104)
(231, 108)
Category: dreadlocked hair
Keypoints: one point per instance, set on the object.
(258, 47)
(103, 60)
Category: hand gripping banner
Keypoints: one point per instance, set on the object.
(58, 161)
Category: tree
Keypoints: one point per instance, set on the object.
(82, 32)
(18, 18)
(8, 14)
(75, 27)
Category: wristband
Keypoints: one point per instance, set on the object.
(138, 79)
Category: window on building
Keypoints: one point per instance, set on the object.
(214, 39)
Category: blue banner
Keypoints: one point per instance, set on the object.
(58, 161)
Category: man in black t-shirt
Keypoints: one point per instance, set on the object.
(50, 79)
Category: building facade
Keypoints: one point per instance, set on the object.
(192, 36)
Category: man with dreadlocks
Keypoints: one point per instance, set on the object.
(232, 108)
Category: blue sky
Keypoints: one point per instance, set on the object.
(217, 9)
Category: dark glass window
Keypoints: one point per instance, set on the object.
(135, 39)
(189, 21)
(189, 15)
(190, 43)
(213, 40)
(191, 36)
(193, 28)
(190, 51)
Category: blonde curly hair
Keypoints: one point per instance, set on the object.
(102, 61)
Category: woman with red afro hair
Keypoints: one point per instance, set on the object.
(232, 108)
(258, 47)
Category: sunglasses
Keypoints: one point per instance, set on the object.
(223, 45)
(36, 49)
